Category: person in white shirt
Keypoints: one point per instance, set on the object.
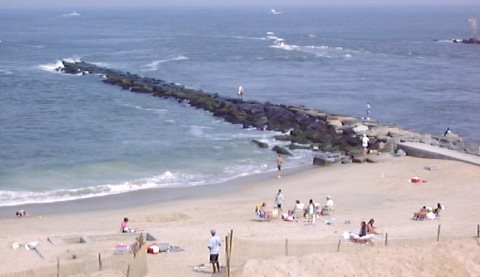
(214, 247)
(365, 141)
(279, 199)
(369, 111)
(240, 92)
(328, 208)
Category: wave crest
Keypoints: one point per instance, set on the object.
(153, 66)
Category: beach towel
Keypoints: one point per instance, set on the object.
(356, 236)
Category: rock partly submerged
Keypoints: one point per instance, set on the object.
(312, 129)
(467, 40)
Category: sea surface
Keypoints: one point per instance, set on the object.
(68, 137)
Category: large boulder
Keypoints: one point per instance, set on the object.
(260, 144)
(281, 150)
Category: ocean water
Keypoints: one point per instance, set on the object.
(68, 137)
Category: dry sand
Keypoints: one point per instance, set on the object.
(360, 191)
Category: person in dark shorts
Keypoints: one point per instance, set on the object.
(279, 165)
(214, 247)
(279, 199)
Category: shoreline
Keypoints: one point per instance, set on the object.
(148, 196)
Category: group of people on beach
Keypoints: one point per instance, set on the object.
(366, 233)
(309, 212)
(428, 212)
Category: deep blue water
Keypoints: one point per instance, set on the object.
(65, 137)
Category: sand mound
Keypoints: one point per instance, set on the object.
(453, 258)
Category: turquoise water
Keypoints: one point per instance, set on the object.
(68, 137)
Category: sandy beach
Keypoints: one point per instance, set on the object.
(360, 191)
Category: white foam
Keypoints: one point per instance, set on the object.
(53, 67)
(275, 12)
(322, 51)
(449, 40)
(251, 38)
(199, 131)
(153, 66)
(153, 110)
(74, 13)
(167, 179)
(5, 71)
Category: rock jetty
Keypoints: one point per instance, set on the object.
(467, 41)
(336, 138)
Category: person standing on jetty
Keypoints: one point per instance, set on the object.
(279, 165)
(214, 247)
(369, 111)
(240, 92)
(365, 141)
(447, 132)
(279, 199)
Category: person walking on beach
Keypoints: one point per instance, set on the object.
(240, 92)
(279, 165)
(310, 212)
(214, 247)
(279, 199)
(365, 141)
(369, 111)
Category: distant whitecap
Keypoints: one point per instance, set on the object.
(155, 64)
(275, 12)
(74, 13)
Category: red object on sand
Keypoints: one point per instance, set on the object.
(415, 180)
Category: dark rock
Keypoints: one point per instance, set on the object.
(260, 144)
(281, 150)
(359, 159)
(322, 161)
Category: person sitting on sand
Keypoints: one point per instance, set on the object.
(124, 226)
(363, 229)
(437, 210)
(362, 236)
(263, 212)
(298, 210)
(372, 229)
(328, 208)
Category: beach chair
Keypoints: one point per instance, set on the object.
(327, 210)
